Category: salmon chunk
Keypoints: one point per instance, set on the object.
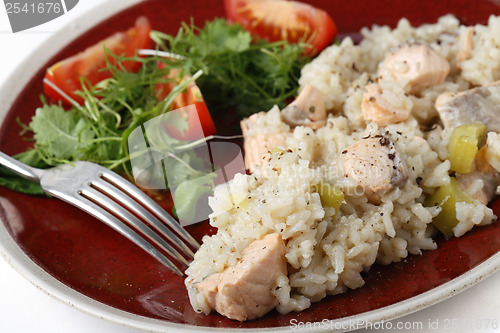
(245, 290)
(258, 142)
(470, 106)
(383, 106)
(417, 66)
(376, 165)
(308, 109)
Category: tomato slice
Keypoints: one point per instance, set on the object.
(275, 20)
(199, 123)
(89, 63)
(198, 119)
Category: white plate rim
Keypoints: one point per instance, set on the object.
(16, 258)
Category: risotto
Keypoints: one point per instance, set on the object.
(367, 182)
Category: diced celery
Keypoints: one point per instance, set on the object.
(447, 196)
(463, 146)
(330, 196)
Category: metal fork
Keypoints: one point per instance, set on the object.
(115, 201)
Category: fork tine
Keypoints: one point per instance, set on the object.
(110, 220)
(133, 191)
(128, 202)
(98, 198)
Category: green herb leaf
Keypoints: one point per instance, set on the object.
(175, 119)
(17, 183)
(60, 133)
(187, 194)
(241, 74)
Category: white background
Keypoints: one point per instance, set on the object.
(24, 308)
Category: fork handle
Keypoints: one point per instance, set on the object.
(20, 168)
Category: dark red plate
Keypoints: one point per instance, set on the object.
(88, 257)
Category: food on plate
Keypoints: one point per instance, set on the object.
(463, 146)
(383, 104)
(415, 66)
(119, 92)
(259, 138)
(244, 291)
(199, 122)
(477, 104)
(465, 45)
(89, 64)
(242, 73)
(262, 135)
(409, 149)
(375, 164)
(308, 109)
(276, 20)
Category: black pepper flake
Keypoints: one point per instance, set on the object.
(344, 151)
(391, 156)
(372, 99)
(384, 141)
(418, 180)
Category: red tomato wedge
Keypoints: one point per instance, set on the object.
(275, 20)
(198, 119)
(89, 63)
(199, 123)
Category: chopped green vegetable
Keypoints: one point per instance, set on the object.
(241, 73)
(463, 146)
(330, 196)
(447, 197)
